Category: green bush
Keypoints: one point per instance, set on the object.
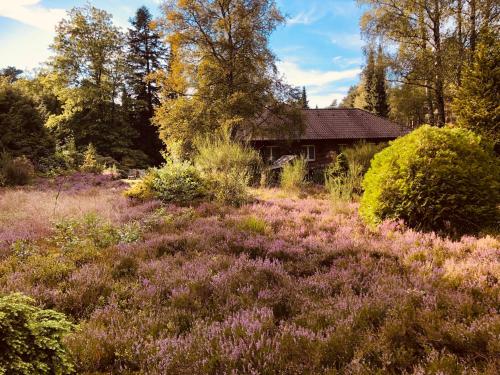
(31, 338)
(177, 182)
(344, 185)
(17, 171)
(228, 167)
(434, 179)
(90, 162)
(293, 176)
(362, 153)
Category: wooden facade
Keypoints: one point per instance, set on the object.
(318, 152)
(326, 132)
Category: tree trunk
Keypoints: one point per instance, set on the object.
(473, 31)
(439, 78)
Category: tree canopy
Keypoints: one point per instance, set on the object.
(222, 74)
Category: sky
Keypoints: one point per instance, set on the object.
(319, 47)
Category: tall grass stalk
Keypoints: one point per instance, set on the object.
(294, 174)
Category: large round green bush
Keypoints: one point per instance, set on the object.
(434, 179)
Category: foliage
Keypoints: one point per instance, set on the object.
(22, 130)
(15, 171)
(369, 81)
(379, 88)
(90, 163)
(477, 101)
(427, 54)
(219, 50)
(362, 153)
(343, 180)
(408, 105)
(434, 179)
(87, 71)
(145, 55)
(293, 176)
(31, 338)
(11, 73)
(176, 181)
(143, 189)
(229, 167)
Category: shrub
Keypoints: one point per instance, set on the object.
(178, 182)
(143, 189)
(253, 224)
(90, 163)
(435, 179)
(293, 176)
(17, 171)
(31, 338)
(362, 154)
(229, 167)
(345, 185)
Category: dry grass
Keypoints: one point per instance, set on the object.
(31, 213)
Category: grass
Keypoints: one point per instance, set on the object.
(285, 284)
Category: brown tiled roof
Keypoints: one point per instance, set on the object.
(345, 123)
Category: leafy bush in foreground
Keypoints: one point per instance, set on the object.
(434, 179)
(31, 338)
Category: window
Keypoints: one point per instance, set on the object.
(309, 152)
(271, 153)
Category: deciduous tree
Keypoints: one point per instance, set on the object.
(88, 63)
(222, 75)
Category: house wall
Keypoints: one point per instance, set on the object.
(324, 148)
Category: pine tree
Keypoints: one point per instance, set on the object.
(369, 84)
(304, 101)
(381, 107)
(477, 101)
(146, 54)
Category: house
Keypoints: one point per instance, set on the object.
(326, 132)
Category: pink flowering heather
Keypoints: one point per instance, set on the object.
(277, 286)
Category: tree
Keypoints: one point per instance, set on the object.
(349, 99)
(408, 105)
(477, 102)
(303, 99)
(334, 104)
(11, 73)
(222, 75)
(88, 65)
(432, 39)
(381, 107)
(369, 82)
(22, 130)
(146, 54)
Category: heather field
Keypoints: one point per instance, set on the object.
(286, 284)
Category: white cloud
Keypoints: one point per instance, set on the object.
(300, 77)
(347, 40)
(323, 101)
(344, 62)
(305, 17)
(319, 84)
(21, 56)
(32, 13)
